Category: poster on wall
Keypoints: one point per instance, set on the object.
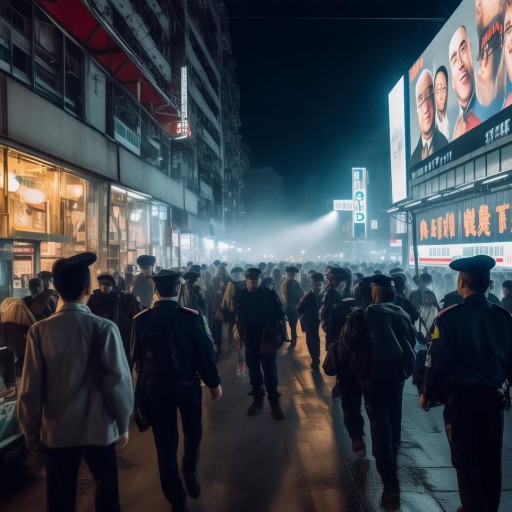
(460, 88)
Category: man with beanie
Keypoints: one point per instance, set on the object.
(76, 393)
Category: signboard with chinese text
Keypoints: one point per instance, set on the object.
(359, 201)
(343, 205)
(477, 225)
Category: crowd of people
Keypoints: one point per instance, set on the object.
(167, 331)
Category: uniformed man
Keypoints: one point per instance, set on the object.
(309, 311)
(260, 319)
(120, 307)
(469, 358)
(142, 284)
(171, 351)
(40, 302)
(291, 292)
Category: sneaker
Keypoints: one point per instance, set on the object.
(275, 406)
(192, 484)
(358, 446)
(391, 497)
(256, 406)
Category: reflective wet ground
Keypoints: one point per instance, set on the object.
(303, 463)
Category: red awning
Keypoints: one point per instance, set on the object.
(82, 25)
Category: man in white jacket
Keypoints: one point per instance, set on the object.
(76, 392)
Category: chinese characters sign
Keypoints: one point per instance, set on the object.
(343, 205)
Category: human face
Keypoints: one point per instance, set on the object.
(461, 65)
(252, 284)
(425, 105)
(316, 287)
(507, 43)
(146, 270)
(35, 290)
(441, 92)
(105, 288)
(505, 291)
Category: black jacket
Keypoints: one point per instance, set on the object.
(171, 346)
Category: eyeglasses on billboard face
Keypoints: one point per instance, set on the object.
(427, 95)
(440, 90)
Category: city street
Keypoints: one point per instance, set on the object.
(304, 463)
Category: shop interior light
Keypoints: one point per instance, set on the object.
(14, 183)
(135, 215)
(74, 191)
(33, 195)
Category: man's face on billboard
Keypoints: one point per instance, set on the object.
(485, 11)
(461, 64)
(507, 44)
(441, 92)
(425, 104)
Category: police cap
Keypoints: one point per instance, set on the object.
(252, 273)
(35, 282)
(236, 270)
(168, 277)
(191, 276)
(106, 278)
(216, 263)
(340, 274)
(396, 270)
(317, 277)
(71, 275)
(382, 280)
(292, 270)
(45, 275)
(146, 260)
(480, 263)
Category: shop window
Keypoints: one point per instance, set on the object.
(480, 168)
(160, 234)
(459, 175)
(450, 178)
(126, 120)
(493, 163)
(506, 158)
(21, 64)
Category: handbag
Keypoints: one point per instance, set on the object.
(331, 363)
(142, 412)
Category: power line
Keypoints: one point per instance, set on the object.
(320, 18)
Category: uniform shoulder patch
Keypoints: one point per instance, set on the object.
(189, 310)
(143, 312)
(449, 308)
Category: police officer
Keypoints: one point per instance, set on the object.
(171, 349)
(469, 357)
(309, 311)
(291, 292)
(260, 312)
(142, 284)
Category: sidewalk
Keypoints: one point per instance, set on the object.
(304, 463)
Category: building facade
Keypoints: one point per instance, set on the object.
(110, 133)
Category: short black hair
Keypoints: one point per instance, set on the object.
(387, 294)
(70, 282)
(442, 69)
(477, 281)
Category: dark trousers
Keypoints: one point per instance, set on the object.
(262, 369)
(477, 440)
(62, 475)
(293, 318)
(313, 344)
(217, 334)
(164, 412)
(351, 395)
(383, 404)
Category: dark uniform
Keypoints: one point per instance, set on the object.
(309, 311)
(142, 285)
(171, 349)
(468, 360)
(291, 292)
(260, 318)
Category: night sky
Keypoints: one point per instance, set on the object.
(313, 90)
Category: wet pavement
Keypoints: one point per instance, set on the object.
(303, 463)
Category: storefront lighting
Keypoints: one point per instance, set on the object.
(435, 196)
(391, 210)
(135, 215)
(74, 191)
(223, 246)
(208, 243)
(14, 183)
(495, 178)
(33, 195)
(137, 196)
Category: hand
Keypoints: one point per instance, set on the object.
(122, 441)
(35, 447)
(216, 393)
(424, 403)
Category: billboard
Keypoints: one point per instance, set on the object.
(343, 205)
(359, 201)
(476, 225)
(460, 88)
(396, 101)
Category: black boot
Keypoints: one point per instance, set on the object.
(277, 412)
(256, 406)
